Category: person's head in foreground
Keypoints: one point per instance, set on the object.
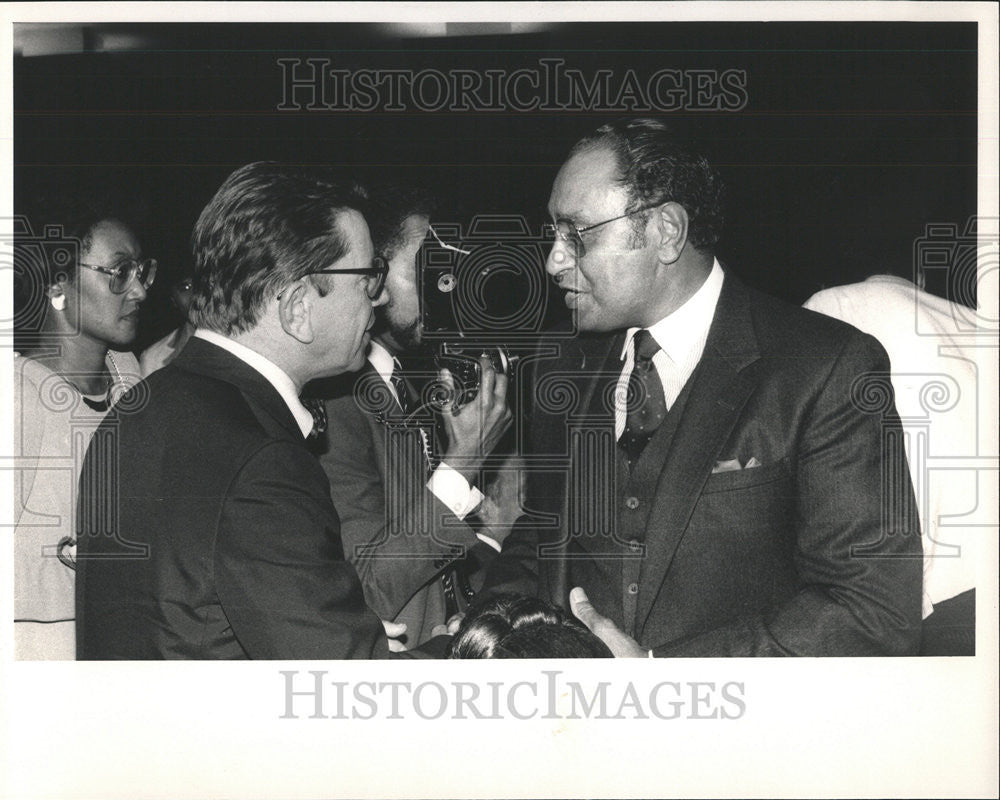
(518, 626)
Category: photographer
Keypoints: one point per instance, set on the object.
(407, 517)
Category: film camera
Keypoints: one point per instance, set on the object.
(483, 292)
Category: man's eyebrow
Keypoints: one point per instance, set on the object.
(570, 216)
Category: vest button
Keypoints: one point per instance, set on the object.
(632, 503)
(635, 546)
(633, 588)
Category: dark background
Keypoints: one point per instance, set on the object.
(854, 137)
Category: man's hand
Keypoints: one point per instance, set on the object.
(451, 627)
(393, 630)
(501, 504)
(621, 644)
(475, 428)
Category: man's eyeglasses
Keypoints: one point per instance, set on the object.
(122, 274)
(376, 275)
(565, 231)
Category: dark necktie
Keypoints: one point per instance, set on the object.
(458, 592)
(647, 405)
(317, 408)
(402, 390)
(399, 386)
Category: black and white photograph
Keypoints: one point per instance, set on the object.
(525, 400)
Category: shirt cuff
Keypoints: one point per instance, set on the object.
(448, 486)
(491, 542)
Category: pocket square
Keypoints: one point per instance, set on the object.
(733, 464)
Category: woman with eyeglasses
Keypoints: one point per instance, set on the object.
(79, 292)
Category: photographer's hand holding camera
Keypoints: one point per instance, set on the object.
(475, 428)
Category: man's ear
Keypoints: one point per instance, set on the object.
(672, 227)
(295, 311)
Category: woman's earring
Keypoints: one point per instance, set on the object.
(58, 302)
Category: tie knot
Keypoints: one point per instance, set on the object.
(645, 346)
(317, 408)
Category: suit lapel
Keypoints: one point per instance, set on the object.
(719, 392)
(603, 367)
(413, 437)
(204, 358)
(375, 395)
(588, 359)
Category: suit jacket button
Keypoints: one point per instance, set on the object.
(632, 503)
(633, 588)
(635, 546)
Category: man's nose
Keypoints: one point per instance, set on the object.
(560, 259)
(136, 291)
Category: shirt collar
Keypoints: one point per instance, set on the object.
(685, 330)
(382, 360)
(274, 374)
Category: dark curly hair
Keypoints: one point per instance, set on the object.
(518, 626)
(389, 206)
(66, 214)
(656, 165)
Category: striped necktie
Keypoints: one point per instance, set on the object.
(400, 388)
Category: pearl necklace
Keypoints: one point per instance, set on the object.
(104, 405)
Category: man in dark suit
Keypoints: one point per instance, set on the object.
(207, 529)
(722, 473)
(407, 516)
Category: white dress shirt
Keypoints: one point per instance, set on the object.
(681, 336)
(274, 374)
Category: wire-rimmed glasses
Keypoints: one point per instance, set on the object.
(566, 232)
